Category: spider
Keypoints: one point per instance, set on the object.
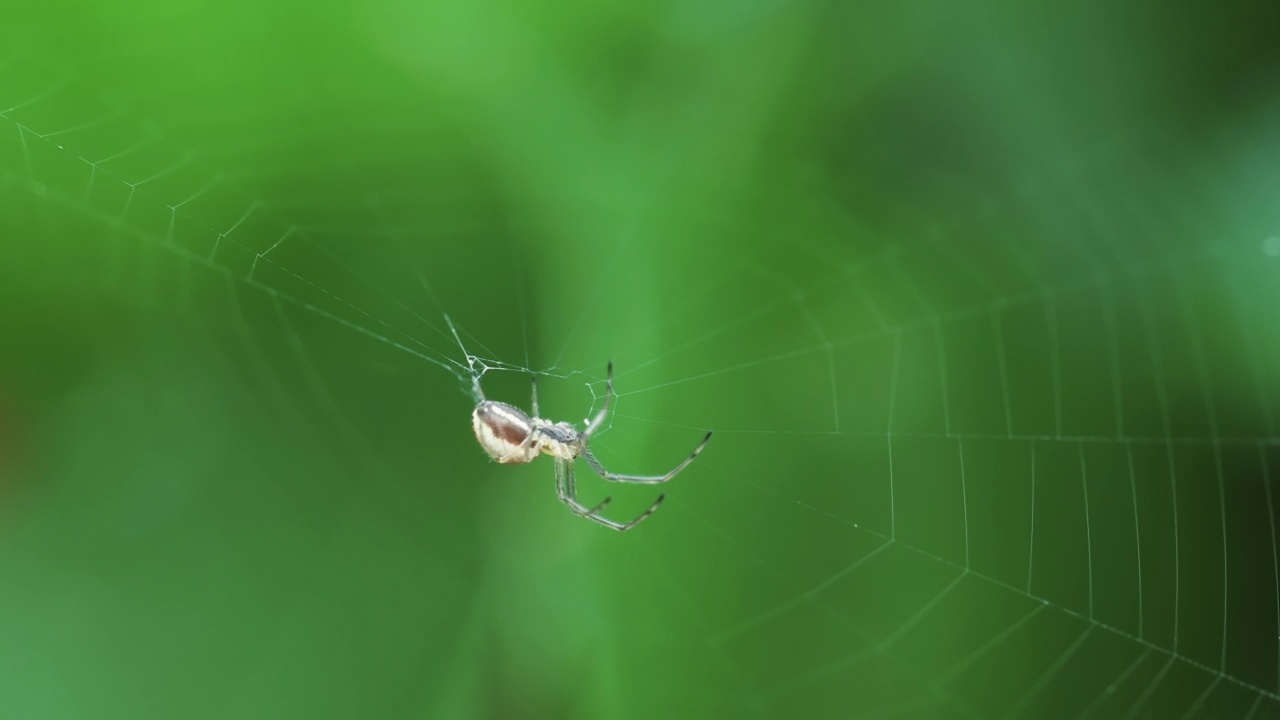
(510, 436)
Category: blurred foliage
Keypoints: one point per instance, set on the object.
(977, 296)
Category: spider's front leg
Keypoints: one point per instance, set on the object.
(644, 479)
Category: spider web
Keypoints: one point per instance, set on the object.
(1013, 461)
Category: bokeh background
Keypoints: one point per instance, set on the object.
(980, 299)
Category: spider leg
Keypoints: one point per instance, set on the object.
(571, 491)
(643, 479)
(566, 492)
(598, 420)
(534, 379)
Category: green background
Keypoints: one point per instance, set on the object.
(979, 298)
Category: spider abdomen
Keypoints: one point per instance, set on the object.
(504, 432)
